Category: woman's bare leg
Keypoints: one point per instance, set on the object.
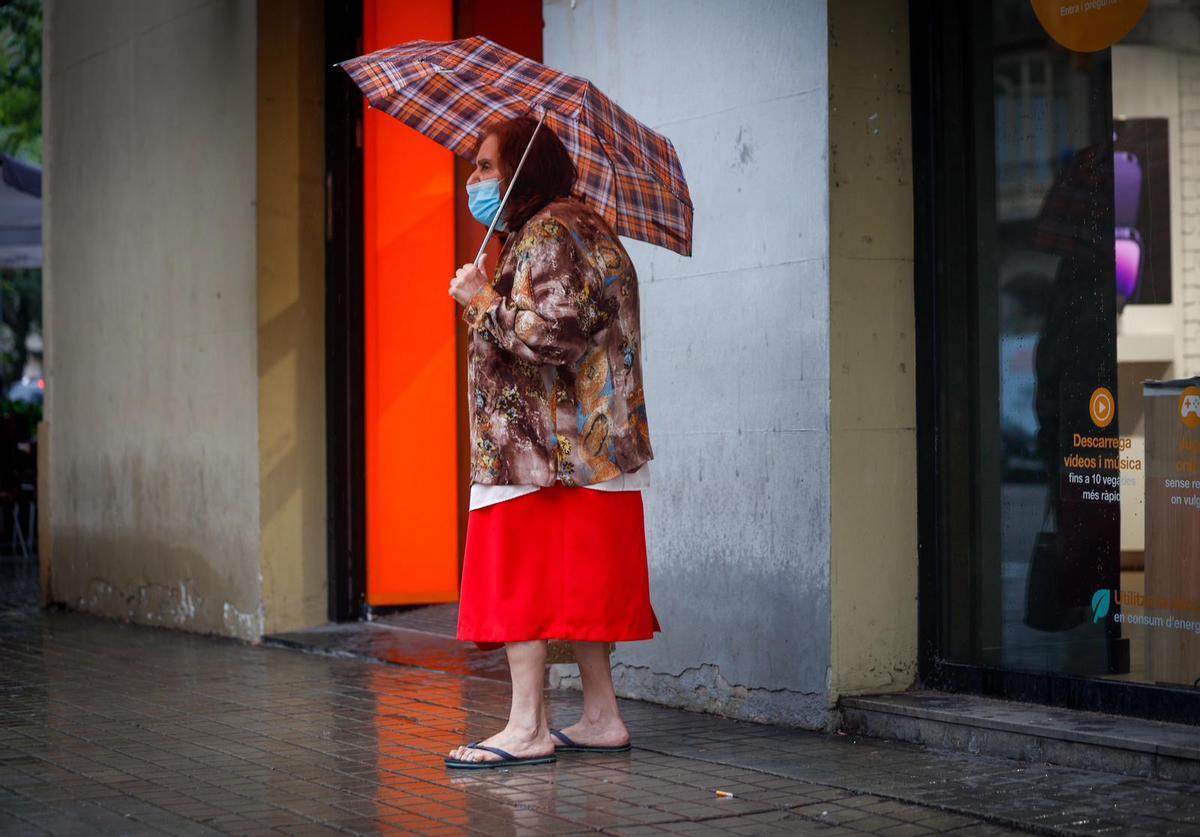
(526, 734)
(601, 723)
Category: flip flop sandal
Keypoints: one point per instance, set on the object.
(569, 746)
(506, 759)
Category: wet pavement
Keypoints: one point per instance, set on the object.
(422, 637)
(111, 728)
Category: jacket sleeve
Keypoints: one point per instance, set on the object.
(540, 321)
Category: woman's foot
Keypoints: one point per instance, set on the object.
(610, 732)
(524, 744)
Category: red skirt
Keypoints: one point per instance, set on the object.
(557, 563)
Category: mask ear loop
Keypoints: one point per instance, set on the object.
(491, 227)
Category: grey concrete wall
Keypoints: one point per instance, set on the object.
(152, 404)
(736, 345)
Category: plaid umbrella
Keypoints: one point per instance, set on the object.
(450, 90)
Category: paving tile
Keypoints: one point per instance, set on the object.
(112, 728)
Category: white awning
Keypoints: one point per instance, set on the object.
(20, 214)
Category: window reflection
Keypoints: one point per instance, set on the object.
(1089, 286)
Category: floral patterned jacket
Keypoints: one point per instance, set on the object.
(554, 374)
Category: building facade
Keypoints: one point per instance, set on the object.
(255, 419)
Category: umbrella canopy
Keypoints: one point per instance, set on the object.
(451, 90)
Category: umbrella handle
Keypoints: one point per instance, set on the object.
(479, 259)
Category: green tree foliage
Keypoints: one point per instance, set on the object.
(21, 79)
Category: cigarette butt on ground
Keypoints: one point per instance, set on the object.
(724, 794)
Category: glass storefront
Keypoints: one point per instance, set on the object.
(1063, 293)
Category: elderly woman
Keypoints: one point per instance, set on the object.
(554, 387)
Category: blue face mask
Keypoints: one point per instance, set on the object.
(483, 199)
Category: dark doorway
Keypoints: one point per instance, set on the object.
(516, 24)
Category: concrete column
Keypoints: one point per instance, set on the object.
(185, 435)
(872, 350)
(150, 313)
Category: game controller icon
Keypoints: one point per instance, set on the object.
(1190, 406)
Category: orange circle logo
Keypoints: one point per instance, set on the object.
(1102, 407)
(1189, 407)
(1088, 25)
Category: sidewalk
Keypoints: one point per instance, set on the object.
(108, 728)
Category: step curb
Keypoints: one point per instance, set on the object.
(1029, 732)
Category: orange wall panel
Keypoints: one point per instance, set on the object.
(411, 322)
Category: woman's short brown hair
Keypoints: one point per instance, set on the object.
(548, 173)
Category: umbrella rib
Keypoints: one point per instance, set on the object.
(614, 153)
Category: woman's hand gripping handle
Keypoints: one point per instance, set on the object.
(468, 280)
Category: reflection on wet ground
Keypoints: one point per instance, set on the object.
(390, 644)
(115, 728)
